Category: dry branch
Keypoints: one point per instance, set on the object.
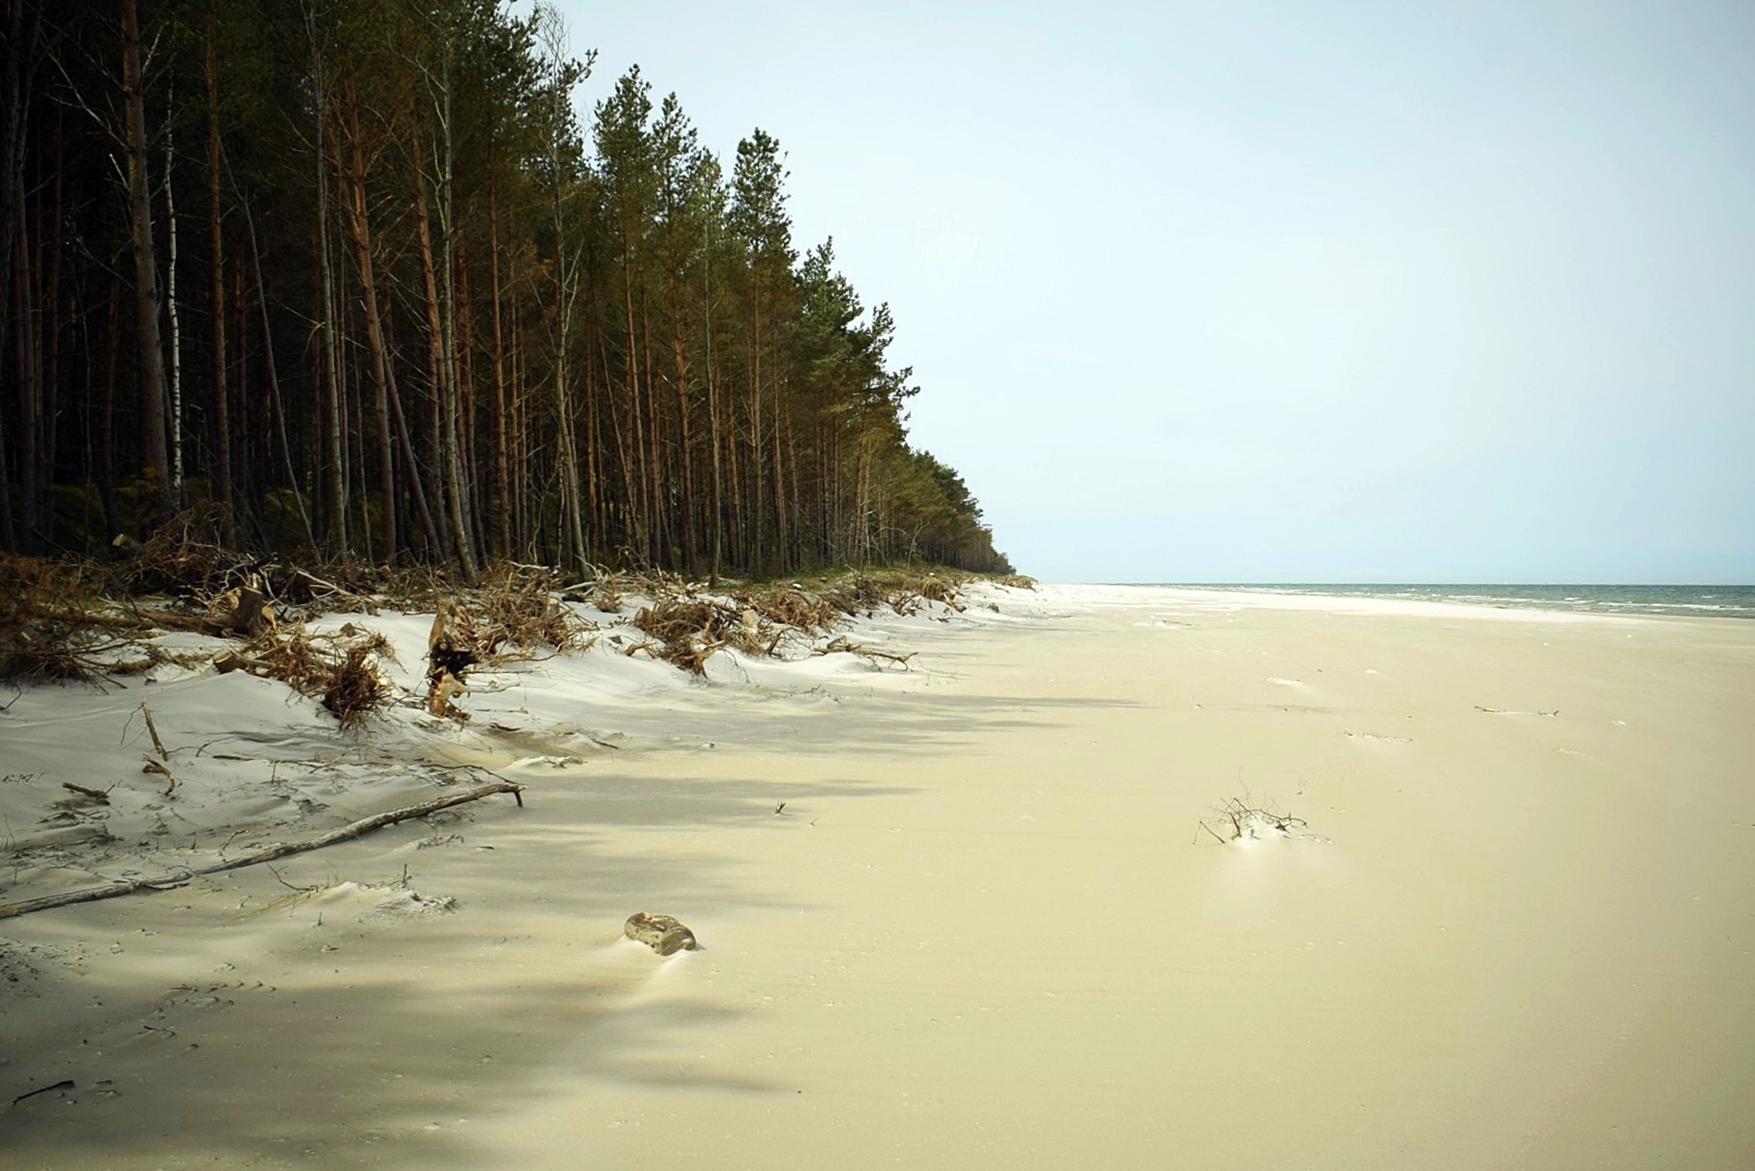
(1245, 818)
(840, 645)
(267, 854)
(153, 766)
(152, 730)
(99, 796)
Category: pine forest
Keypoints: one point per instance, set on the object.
(365, 277)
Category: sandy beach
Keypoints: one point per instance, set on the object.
(976, 911)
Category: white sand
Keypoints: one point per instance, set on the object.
(986, 929)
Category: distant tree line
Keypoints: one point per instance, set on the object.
(353, 275)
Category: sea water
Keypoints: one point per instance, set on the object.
(1699, 601)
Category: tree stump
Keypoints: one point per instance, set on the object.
(661, 933)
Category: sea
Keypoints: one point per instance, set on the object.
(1698, 601)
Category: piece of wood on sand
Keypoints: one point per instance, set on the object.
(661, 933)
(347, 832)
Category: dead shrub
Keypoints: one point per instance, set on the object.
(337, 670)
(355, 689)
(794, 607)
(936, 589)
(54, 627)
(183, 557)
(686, 632)
(515, 611)
(519, 605)
(1244, 818)
(900, 590)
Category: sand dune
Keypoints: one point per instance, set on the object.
(959, 915)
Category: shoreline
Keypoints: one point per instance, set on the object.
(1626, 599)
(964, 912)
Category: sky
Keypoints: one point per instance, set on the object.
(1281, 292)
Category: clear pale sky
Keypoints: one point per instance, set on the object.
(1292, 291)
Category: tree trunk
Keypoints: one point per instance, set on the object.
(146, 306)
(686, 470)
(594, 450)
(335, 407)
(107, 425)
(456, 485)
(383, 371)
(758, 554)
(178, 487)
(714, 435)
(50, 366)
(463, 367)
(423, 511)
(20, 55)
(25, 375)
(641, 501)
(502, 510)
(274, 375)
(439, 370)
(656, 463)
(222, 435)
(782, 530)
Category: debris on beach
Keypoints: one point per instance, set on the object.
(236, 766)
(82, 621)
(686, 626)
(840, 645)
(269, 853)
(1242, 819)
(662, 933)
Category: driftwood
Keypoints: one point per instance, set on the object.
(267, 854)
(64, 1084)
(839, 645)
(100, 796)
(661, 933)
(242, 610)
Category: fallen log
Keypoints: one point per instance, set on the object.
(266, 854)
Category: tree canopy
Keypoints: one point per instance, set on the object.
(358, 275)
